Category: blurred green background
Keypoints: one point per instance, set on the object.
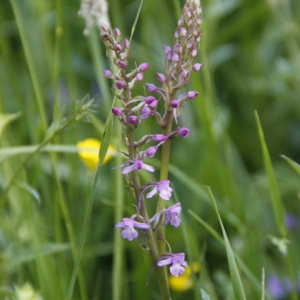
(250, 51)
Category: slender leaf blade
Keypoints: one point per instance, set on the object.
(292, 163)
(234, 273)
(273, 187)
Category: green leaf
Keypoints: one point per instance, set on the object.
(249, 275)
(274, 190)
(5, 119)
(234, 273)
(292, 163)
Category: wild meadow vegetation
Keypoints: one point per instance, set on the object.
(237, 174)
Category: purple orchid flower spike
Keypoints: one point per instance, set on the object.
(164, 107)
(128, 225)
(177, 262)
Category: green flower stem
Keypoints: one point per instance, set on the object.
(164, 168)
(160, 272)
(118, 240)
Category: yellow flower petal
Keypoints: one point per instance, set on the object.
(181, 283)
(184, 282)
(89, 150)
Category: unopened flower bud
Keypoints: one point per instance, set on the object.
(132, 119)
(105, 28)
(159, 138)
(118, 47)
(117, 32)
(183, 131)
(190, 45)
(126, 44)
(178, 48)
(197, 67)
(120, 85)
(107, 73)
(151, 87)
(175, 103)
(167, 49)
(183, 73)
(175, 57)
(144, 67)
(116, 111)
(122, 64)
(151, 151)
(182, 31)
(151, 101)
(192, 94)
(139, 76)
(194, 52)
(160, 77)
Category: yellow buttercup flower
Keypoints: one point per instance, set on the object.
(184, 282)
(89, 150)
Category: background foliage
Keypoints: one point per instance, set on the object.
(250, 50)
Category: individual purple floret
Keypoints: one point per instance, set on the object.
(146, 112)
(163, 189)
(135, 165)
(172, 215)
(128, 225)
(176, 261)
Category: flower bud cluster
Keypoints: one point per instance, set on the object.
(132, 110)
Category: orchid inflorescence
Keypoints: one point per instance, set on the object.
(132, 110)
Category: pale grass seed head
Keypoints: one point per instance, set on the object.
(95, 13)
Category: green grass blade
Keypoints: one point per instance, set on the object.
(5, 119)
(83, 237)
(274, 190)
(292, 163)
(234, 273)
(249, 275)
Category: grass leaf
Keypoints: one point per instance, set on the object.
(292, 163)
(234, 273)
(274, 190)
